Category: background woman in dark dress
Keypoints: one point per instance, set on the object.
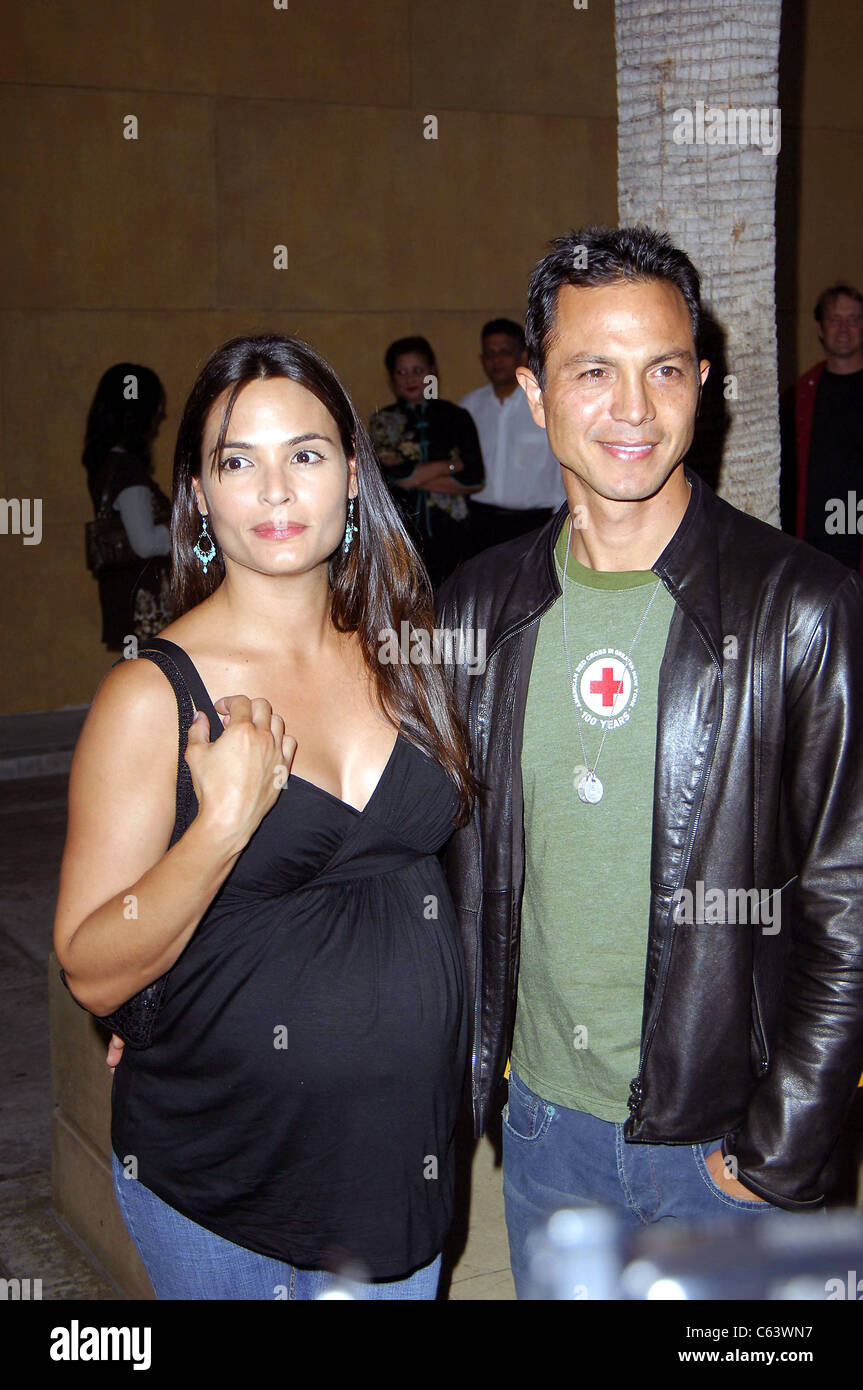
(122, 424)
(430, 453)
(293, 1116)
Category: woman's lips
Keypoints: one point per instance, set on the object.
(285, 531)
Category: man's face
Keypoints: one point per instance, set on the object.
(621, 387)
(500, 356)
(841, 329)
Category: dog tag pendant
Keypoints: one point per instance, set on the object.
(590, 788)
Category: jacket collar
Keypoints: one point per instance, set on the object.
(688, 567)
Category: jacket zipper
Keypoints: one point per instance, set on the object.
(636, 1090)
(476, 1089)
(759, 1028)
(476, 1059)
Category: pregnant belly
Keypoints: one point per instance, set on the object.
(320, 1001)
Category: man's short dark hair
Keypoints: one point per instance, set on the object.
(507, 326)
(833, 292)
(601, 256)
(402, 346)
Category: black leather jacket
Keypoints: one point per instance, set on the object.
(748, 1033)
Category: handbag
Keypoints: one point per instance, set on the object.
(106, 543)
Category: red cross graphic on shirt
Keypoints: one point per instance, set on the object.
(608, 687)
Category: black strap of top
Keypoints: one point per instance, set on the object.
(191, 695)
(193, 682)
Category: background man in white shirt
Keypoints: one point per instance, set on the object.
(523, 484)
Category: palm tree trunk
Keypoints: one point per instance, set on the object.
(715, 197)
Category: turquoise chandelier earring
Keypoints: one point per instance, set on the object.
(350, 529)
(206, 557)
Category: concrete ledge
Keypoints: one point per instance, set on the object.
(81, 1185)
(39, 744)
(83, 1197)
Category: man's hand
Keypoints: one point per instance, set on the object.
(721, 1176)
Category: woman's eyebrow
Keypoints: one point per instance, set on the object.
(285, 444)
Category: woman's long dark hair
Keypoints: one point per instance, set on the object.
(379, 584)
(125, 411)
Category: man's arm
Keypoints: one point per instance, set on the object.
(797, 1110)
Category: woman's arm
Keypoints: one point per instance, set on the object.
(128, 905)
(467, 440)
(439, 475)
(135, 507)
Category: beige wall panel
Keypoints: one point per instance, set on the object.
(511, 56)
(376, 217)
(832, 72)
(94, 219)
(829, 245)
(315, 50)
(50, 624)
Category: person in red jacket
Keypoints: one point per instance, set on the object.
(828, 432)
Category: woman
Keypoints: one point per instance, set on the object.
(293, 1116)
(122, 424)
(429, 450)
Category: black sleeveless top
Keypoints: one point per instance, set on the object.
(301, 1091)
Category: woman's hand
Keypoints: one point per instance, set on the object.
(237, 779)
(115, 1052)
(426, 475)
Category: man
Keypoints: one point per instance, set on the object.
(660, 891)
(828, 431)
(523, 483)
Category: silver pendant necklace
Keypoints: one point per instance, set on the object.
(590, 789)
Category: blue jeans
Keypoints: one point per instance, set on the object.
(554, 1157)
(186, 1261)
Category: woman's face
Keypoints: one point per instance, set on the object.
(277, 497)
(408, 376)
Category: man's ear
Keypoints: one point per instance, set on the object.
(531, 388)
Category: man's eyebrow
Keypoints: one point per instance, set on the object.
(285, 444)
(579, 359)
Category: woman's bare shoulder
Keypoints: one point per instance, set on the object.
(136, 700)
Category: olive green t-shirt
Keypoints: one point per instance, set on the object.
(586, 904)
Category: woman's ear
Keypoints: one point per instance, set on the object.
(200, 499)
(353, 479)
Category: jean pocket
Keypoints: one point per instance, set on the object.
(726, 1198)
(526, 1115)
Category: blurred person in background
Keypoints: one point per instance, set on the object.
(823, 442)
(430, 455)
(523, 486)
(122, 425)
